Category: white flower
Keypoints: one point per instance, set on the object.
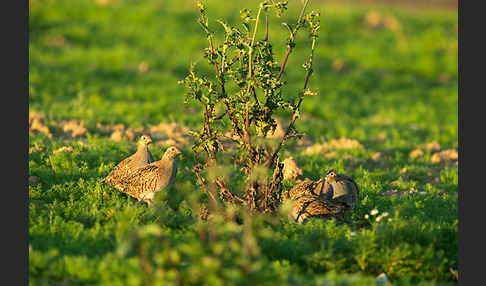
(384, 214)
(352, 233)
(374, 212)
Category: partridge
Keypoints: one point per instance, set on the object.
(139, 159)
(307, 207)
(144, 182)
(308, 187)
(344, 190)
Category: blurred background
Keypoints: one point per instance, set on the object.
(379, 62)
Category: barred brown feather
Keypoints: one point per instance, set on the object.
(308, 187)
(144, 182)
(312, 207)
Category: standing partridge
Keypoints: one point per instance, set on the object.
(344, 190)
(141, 158)
(144, 182)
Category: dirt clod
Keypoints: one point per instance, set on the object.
(63, 149)
(73, 128)
(116, 136)
(432, 146)
(291, 170)
(444, 156)
(416, 154)
(178, 134)
(36, 123)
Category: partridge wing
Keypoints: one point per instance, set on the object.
(141, 181)
(119, 171)
(301, 189)
(323, 189)
(310, 206)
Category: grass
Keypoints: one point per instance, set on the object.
(393, 90)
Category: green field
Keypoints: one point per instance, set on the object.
(392, 87)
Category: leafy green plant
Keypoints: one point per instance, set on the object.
(248, 87)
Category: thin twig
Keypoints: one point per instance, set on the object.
(211, 48)
(294, 32)
(250, 51)
(294, 117)
(228, 193)
(289, 49)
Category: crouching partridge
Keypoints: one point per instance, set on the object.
(307, 187)
(139, 159)
(144, 182)
(307, 207)
(311, 200)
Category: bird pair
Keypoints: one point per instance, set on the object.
(330, 197)
(140, 176)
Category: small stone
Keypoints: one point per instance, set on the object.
(372, 19)
(433, 146)
(345, 143)
(56, 41)
(291, 170)
(103, 2)
(444, 156)
(33, 180)
(392, 193)
(130, 134)
(390, 23)
(166, 142)
(338, 65)
(331, 154)
(382, 279)
(143, 67)
(376, 156)
(119, 127)
(314, 149)
(37, 125)
(116, 136)
(73, 128)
